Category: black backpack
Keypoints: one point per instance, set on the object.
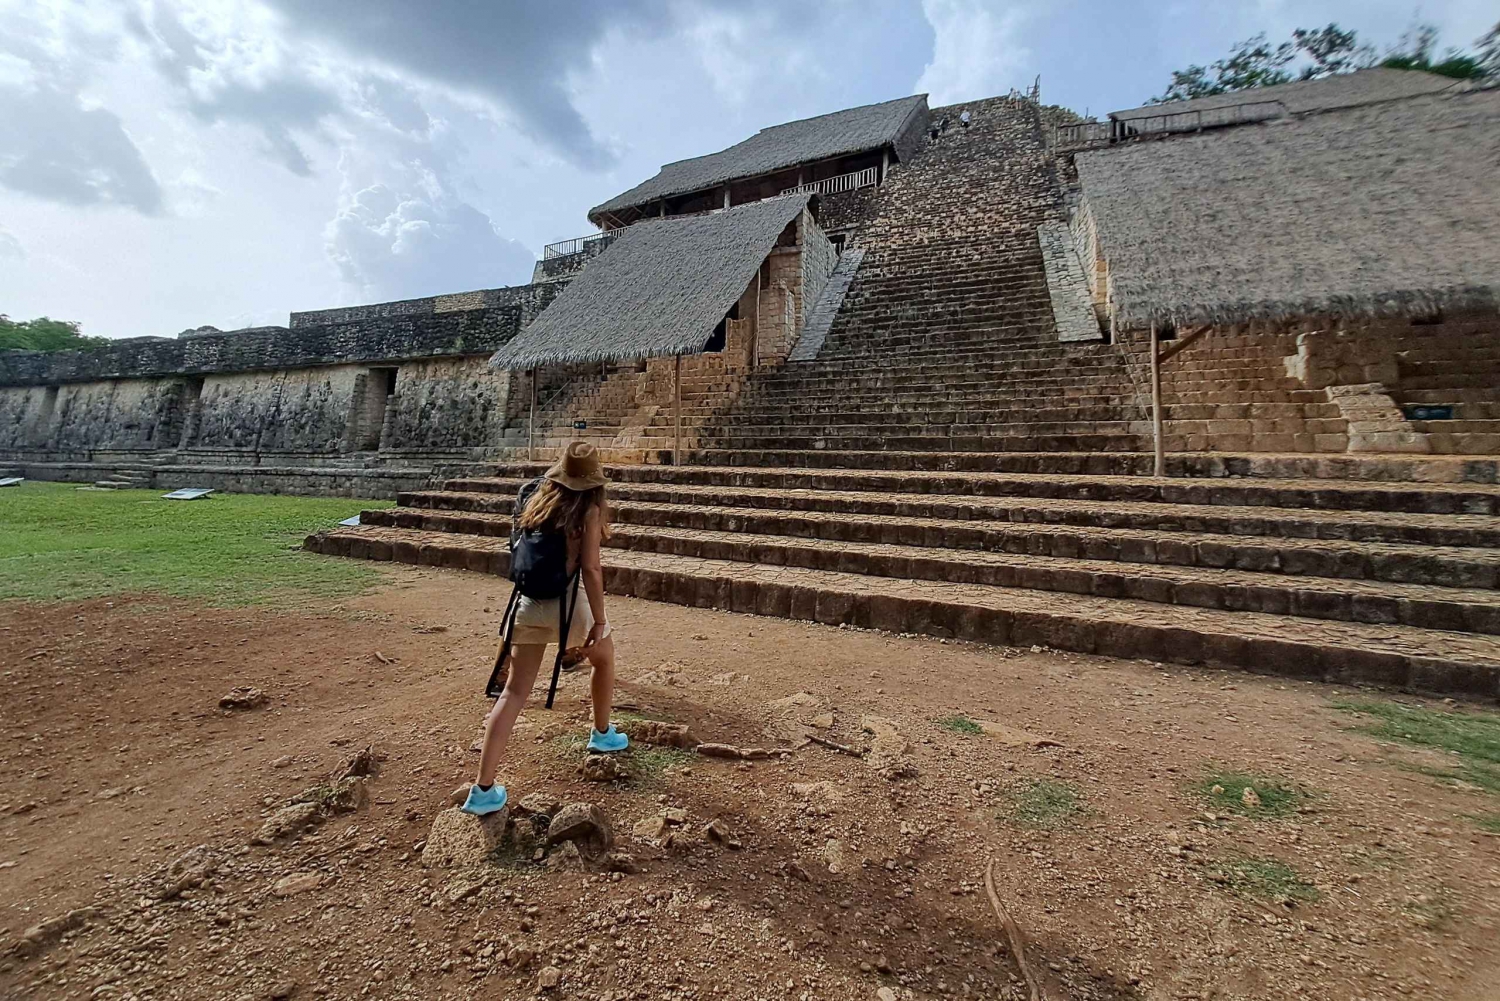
(539, 570)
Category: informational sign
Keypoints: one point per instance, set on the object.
(1424, 412)
(192, 493)
(350, 522)
(12, 481)
(580, 425)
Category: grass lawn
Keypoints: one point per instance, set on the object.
(58, 542)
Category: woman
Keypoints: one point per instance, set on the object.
(568, 501)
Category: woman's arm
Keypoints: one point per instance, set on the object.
(593, 570)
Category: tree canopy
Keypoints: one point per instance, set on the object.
(1315, 53)
(43, 334)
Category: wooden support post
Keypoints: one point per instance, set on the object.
(726, 196)
(531, 423)
(885, 163)
(1160, 466)
(677, 411)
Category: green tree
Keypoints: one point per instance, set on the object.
(1417, 51)
(43, 334)
(1315, 53)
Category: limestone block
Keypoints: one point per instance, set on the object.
(460, 839)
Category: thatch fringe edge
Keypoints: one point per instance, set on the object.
(1405, 303)
(525, 361)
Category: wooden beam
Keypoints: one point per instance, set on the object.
(531, 423)
(1160, 465)
(677, 411)
(1182, 343)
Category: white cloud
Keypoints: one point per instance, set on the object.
(419, 239)
(977, 50)
(10, 247)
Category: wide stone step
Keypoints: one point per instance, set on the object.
(932, 443)
(1418, 484)
(1442, 567)
(1424, 606)
(1445, 531)
(1423, 659)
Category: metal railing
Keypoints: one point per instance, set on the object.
(575, 246)
(843, 182)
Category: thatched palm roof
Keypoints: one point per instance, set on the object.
(1346, 90)
(1386, 209)
(779, 147)
(660, 289)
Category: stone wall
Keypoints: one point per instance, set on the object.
(1067, 284)
(119, 414)
(551, 269)
(298, 410)
(447, 403)
(23, 415)
(373, 339)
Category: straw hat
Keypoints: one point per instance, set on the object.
(578, 468)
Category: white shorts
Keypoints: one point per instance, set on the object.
(537, 621)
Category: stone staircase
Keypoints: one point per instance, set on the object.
(1382, 582)
(944, 466)
(1457, 367)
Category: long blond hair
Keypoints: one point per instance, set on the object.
(553, 507)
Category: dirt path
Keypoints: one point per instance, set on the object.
(846, 877)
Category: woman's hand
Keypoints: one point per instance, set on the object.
(597, 633)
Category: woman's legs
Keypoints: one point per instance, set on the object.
(602, 681)
(524, 661)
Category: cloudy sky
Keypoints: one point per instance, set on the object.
(171, 163)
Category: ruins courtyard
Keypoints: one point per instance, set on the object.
(1108, 793)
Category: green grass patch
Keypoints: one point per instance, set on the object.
(59, 543)
(1225, 791)
(1487, 822)
(1471, 737)
(651, 766)
(1264, 878)
(961, 724)
(1042, 803)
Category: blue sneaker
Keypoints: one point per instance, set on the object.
(608, 742)
(483, 801)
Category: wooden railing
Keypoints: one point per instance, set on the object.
(1081, 134)
(843, 182)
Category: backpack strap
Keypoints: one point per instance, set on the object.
(565, 611)
(496, 684)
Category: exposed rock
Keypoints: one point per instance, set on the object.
(798, 871)
(675, 815)
(539, 803)
(284, 761)
(583, 824)
(362, 764)
(885, 994)
(187, 871)
(793, 716)
(823, 721)
(1250, 798)
(717, 830)
(281, 990)
(42, 936)
(650, 829)
(721, 751)
(604, 768)
(460, 796)
(819, 797)
(345, 795)
(889, 752)
(288, 822)
(620, 862)
(297, 882)
(461, 839)
(663, 734)
(1013, 737)
(833, 856)
(566, 858)
(549, 978)
(244, 698)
